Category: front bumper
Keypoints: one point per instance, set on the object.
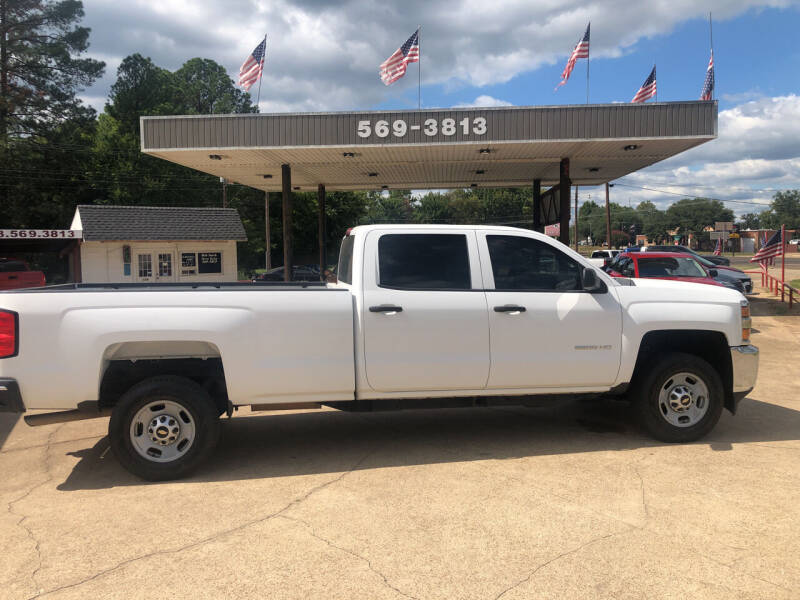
(10, 397)
(744, 360)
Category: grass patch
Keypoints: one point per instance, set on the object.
(795, 283)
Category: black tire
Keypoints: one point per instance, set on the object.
(200, 413)
(654, 414)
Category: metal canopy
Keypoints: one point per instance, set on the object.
(432, 149)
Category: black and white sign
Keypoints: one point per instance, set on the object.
(188, 259)
(209, 262)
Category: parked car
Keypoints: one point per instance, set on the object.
(605, 253)
(299, 273)
(717, 260)
(396, 331)
(731, 274)
(795, 241)
(15, 274)
(666, 265)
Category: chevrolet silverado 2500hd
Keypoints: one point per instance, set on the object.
(420, 316)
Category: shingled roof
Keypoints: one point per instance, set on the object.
(142, 223)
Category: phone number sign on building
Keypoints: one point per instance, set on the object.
(44, 234)
(398, 128)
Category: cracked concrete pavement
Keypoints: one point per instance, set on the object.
(566, 501)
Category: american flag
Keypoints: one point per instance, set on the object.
(581, 51)
(718, 247)
(708, 84)
(394, 67)
(251, 70)
(648, 89)
(768, 252)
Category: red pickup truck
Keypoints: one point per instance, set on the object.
(15, 274)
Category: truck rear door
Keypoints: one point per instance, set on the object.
(546, 332)
(424, 315)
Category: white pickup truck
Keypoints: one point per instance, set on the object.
(422, 316)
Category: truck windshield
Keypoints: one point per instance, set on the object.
(670, 267)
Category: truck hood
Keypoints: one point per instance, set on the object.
(667, 290)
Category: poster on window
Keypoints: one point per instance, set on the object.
(188, 260)
(209, 262)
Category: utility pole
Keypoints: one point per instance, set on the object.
(576, 218)
(268, 244)
(3, 71)
(608, 220)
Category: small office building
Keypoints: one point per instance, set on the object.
(139, 244)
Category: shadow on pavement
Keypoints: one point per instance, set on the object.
(284, 445)
(7, 422)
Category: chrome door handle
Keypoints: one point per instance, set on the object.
(509, 308)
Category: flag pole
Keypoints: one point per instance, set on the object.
(419, 67)
(588, 52)
(656, 80)
(711, 43)
(261, 75)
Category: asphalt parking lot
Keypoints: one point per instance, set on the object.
(567, 501)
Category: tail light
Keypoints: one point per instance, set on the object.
(9, 334)
(746, 321)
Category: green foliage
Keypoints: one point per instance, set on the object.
(40, 66)
(204, 88)
(692, 215)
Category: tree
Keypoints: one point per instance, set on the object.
(41, 71)
(142, 88)
(750, 221)
(205, 88)
(785, 209)
(692, 215)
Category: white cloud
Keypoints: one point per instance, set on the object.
(482, 101)
(756, 154)
(324, 54)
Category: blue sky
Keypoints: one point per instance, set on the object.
(756, 54)
(324, 55)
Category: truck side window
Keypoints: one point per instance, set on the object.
(521, 263)
(424, 261)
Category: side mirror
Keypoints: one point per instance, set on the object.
(713, 272)
(592, 283)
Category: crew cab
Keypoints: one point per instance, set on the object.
(16, 274)
(421, 316)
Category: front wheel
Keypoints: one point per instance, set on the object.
(679, 398)
(163, 428)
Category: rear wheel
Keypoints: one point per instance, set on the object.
(163, 428)
(679, 398)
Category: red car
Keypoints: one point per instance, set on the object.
(15, 274)
(661, 265)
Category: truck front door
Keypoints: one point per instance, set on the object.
(546, 332)
(424, 313)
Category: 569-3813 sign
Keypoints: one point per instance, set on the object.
(45, 234)
(430, 127)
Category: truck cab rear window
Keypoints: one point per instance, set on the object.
(344, 271)
(424, 262)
